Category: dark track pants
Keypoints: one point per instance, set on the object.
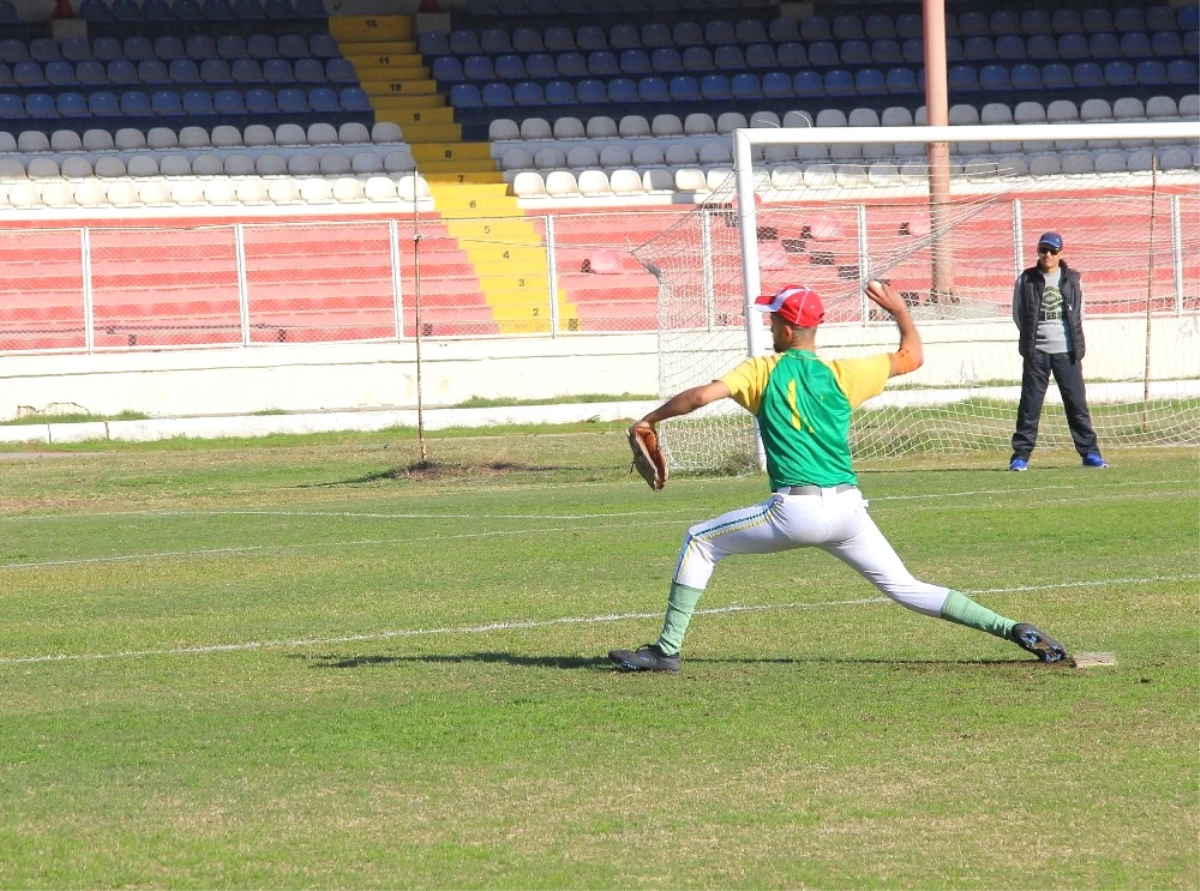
(1035, 378)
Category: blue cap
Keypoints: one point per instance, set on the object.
(1053, 239)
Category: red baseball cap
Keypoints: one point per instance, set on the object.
(796, 304)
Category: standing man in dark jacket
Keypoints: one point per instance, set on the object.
(1048, 310)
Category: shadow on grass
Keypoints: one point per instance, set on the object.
(347, 661)
(434, 471)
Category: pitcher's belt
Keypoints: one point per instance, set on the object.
(813, 490)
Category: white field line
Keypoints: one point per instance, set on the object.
(522, 625)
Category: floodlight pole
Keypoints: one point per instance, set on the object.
(937, 114)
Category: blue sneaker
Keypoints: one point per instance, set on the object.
(1093, 459)
(1016, 465)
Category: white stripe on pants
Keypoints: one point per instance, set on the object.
(836, 522)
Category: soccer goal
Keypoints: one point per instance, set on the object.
(833, 208)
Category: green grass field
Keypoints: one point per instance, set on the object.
(301, 663)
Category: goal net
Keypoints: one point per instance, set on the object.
(832, 208)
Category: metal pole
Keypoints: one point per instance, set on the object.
(706, 269)
(1018, 238)
(89, 309)
(417, 305)
(1149, 293)
(397, 296)
(239, 245)
(938, 115)
(1177, 252)
(864, 306)
(748, 234)
(552, 275)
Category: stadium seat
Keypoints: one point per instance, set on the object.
(666, 60)
(103, 104)
(510, 66)
(808, 84)
(497, 95)
(1042, 47)
(715, 87)
(624, 36)
(1119, 73)
(684, 88)
(746, 86)
(994, 78)
(854, 52)
(248, 72)
(591, 92)
(28, 75)
(653, 89)
(136, 104)
(528, 93)
(262, 46)
(886, 51)
(869, 82)
(1057, 75)
(623, 90)
(1128, 18)
(478, 68)
(354, 99)
(568, 127)
(963, 79)
(560, 92)
(979, 49)
(1104, 46)
(838, 82)
(1150, 72)
(293, 46)
(1073, 46)
(558, 39)
(229, 102)
(823, 53)
(901, 80)
(1087, 74)
(697, 58)
(777, 85)
(1182, 71)
(495, 41)
(791, 55)
(879, 26)
(728, 58)
(198, 103)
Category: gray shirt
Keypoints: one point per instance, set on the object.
(1051, 326)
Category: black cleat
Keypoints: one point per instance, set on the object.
(1041, 644)
(647, 658)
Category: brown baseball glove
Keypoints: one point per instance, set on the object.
(648, 459)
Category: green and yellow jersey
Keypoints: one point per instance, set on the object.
(803, 407)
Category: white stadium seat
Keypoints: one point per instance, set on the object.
(529, 184)
(353, 133)
(207, 165)
(110, 167)
(316, 190)
(366, 162)
(161, 138)
(335, 164)
(386, 133)
(380, 188)
(65, 141)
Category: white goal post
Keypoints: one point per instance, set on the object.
(833, 207)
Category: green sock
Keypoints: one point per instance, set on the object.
(963, 610)
(680, 603)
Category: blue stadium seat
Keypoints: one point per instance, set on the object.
(165, 103)
(494, 41)
(230, 103)
(808, 84)
(634, 61)
(60, 73)
(28, 74)
(602, 63)
(901, 81)
(76, 49)
(136, 48)
(591, 37)
(869, 82)
(698, 58)
(1042, 47)
(1057, 76)
(728, 58)
(749, 31)
(105, 49)
(591, 92)
(341, 71)
(1119, 73)
(261, 102)
(823, 53)
(791, 55)
(278, 71)
(1161, 18)
(1104, 45)
(1135, 45)
(1129, 18)
(122, 73)
(218, 11)
(1191, 44)
(1096, 20)
(777, 85)
(1182, 71)
(187, 11)
(465, 96)
(1024, 77)
(198, 102)
(855, 52)
(687, 34)
(90, 73)
(1086, 74)
(478, 68)
(510, 66)
(126, 11)
(249, 10)
(153, 72)
(994, 79)
(156, 11)
(746, 86)
(879, 26)
(623, 90)
(715, 87)
(293, 46)
(816, 27)
(1166, 44)
(262, 46)
(324, 46)
(559, 39)
(979, 49)
(666, 60)
(684, 88)
(571, 64)
(886, 51)
(322, 100)
(1011, 48)
(167, 48)
(231, 46)
(529, 40)
(43, 49)
(354, 99)
(184, 72)
(247, 71)
(200, 47)
(103, 104)
(95, 11)
(761, 55)
(624, 36)
(1004, 21)
(40, 106)
(781, 30)
(913, 50)
(839, 82)
(6, 78)
(540, 66)
(310, 9)
(909, 24)
(1151, 73)
(719, 31)
(72, 105)
(280, 10)
(560, 92)
(309, 72)
(653, 89)
(446, 69)
(1189, 17)
(529, 93)
(433, 43)
(973, 24)
(1073, 46)
(136, 104)
(12, 108)
(963, 79)
(497, 95)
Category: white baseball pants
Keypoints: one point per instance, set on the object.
(836, 522)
